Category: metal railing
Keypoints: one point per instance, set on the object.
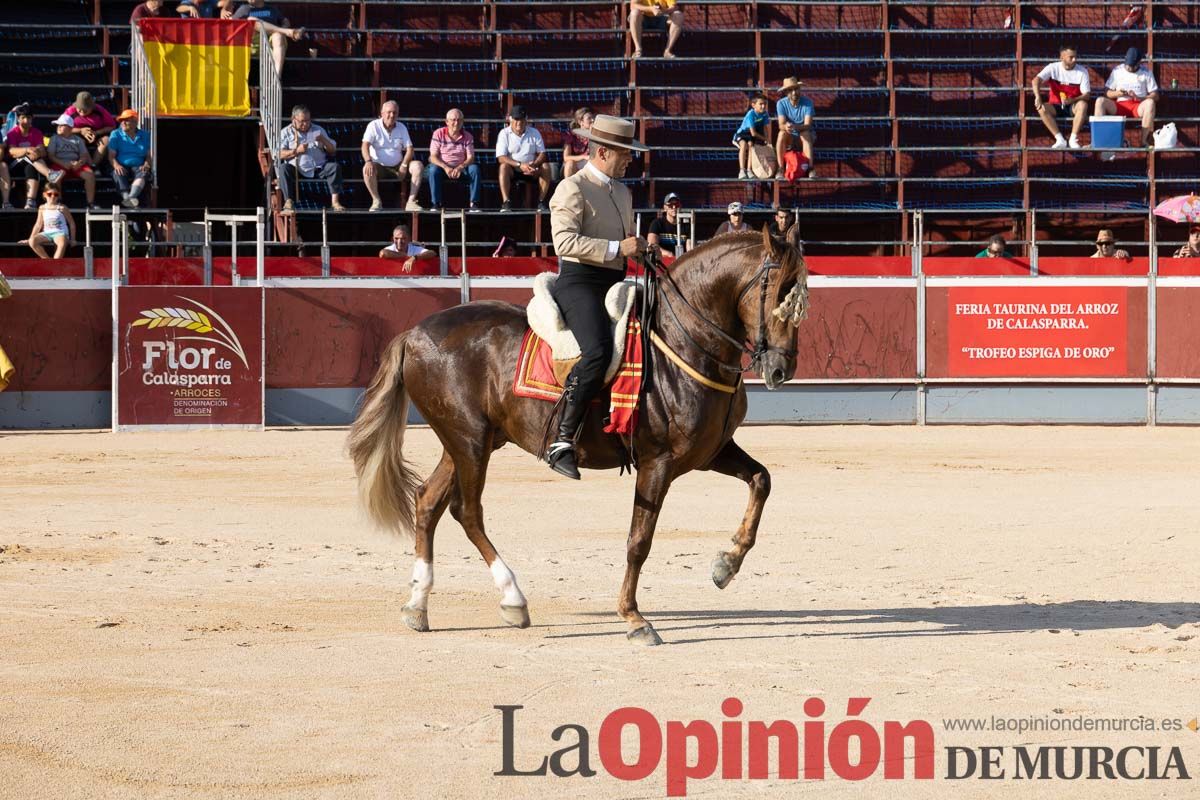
(145, 99)
(270, 97)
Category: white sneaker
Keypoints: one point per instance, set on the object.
(1075, 145)
(743, 175)
(413, 205)
(1059, 144)
(377, 205)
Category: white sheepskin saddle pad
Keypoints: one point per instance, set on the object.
(547, 321)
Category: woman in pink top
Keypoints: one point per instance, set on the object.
(575, 147)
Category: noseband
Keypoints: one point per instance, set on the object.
(755, 351)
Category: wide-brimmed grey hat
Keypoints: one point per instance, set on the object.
(613, 131)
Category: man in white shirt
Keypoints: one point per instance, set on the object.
(404, 247)
(522, 156)
(1070, 87)
(1131, 91)
(387, 149)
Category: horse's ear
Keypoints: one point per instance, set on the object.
(793, 235)
(771, 244)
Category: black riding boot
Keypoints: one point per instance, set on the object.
(561, 454)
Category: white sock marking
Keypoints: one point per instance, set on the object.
(422, 584)
(506, 582)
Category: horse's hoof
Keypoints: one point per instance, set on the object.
(722, 570)
(644, 635)
(517, 616)
(416, 618)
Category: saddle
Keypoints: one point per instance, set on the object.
(546, 321)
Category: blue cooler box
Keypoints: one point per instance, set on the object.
(1108, 133)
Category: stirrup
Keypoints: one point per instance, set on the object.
(561, 457)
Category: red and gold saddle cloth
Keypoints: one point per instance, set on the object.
(536, 378)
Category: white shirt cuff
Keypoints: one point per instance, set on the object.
(613, 247)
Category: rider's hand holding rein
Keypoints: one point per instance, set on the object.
(633, 246)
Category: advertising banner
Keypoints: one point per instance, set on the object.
(1037, 331)
(189, 356)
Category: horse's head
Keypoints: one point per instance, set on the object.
(771, 305)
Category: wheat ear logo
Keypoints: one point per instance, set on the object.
(198, 321)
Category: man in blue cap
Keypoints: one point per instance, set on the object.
(1131, 91)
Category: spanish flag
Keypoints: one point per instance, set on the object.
(201, 66)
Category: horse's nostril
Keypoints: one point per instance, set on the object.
(777, 376)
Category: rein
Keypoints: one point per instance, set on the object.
(756, 351)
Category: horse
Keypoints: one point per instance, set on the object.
(735, 296)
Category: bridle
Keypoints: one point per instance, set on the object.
(756, 350)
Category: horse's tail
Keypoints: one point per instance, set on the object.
(387, 484)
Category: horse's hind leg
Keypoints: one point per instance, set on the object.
(471, 454)
(432, 498)
(733, 460)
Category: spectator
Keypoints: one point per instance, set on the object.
(452, 157)
(150, 8)
(1131, 91)
(506, 248)
(306, 151)
(997, 247)
(1070, 93)
(5, 178)
(575, 148)
(130, 157)
(752, 131)
(779, 226)
(205, 9)
(1106, 246)
(522, 156)
(272, 22)
(54, 225)
(664, 15)
(93, 123)
(795, 117)
(404, 247)
(68, 152)
(387, 148)
(26, 148)
(664, 230)
(736, 222)
(1191, 248)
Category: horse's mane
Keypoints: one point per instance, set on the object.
(792, 262)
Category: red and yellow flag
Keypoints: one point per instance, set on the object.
(201, 66)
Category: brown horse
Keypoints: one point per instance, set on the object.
(457, 366)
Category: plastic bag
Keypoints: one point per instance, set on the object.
(762, 161)
(1166, 137)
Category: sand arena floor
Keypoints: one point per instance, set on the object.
(207, 615)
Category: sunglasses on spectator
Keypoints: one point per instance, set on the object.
(50, 194)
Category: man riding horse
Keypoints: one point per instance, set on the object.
(591, 216)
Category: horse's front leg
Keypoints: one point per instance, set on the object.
(733, 460)
(653, 480)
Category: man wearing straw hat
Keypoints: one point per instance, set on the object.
(591, 219)
(795, 112)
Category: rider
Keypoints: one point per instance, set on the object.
(591, 217)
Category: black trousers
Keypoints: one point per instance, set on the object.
(579, 292)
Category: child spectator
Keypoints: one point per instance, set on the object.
(575, 148)
(54, 225)
(93, 123)
(68, 152)
(752, 131)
